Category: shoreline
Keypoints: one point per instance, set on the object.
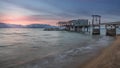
(107, 58)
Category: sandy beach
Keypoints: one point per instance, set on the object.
(109, 58)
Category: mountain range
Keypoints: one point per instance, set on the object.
(4, 25)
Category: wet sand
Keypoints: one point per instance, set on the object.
(109, 58)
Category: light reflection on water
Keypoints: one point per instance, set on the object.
(18, 46)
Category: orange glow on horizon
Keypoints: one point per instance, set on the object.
(25, 21)
(28, 22)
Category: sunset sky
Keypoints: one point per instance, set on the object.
(51, 11)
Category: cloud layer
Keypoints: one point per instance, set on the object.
(51, 11)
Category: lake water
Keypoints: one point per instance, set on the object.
(34, 48)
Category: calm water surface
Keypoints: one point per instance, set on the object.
(34, 48)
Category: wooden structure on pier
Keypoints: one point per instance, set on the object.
(62, 25)
(111, 28)
(65, 25)
(79, 25)
(96, 21)
(75, 25)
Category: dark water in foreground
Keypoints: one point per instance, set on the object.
(34, 48)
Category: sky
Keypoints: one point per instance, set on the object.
(52, 11)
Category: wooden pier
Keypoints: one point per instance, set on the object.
(83, 25)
